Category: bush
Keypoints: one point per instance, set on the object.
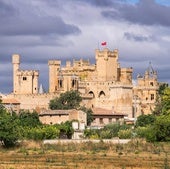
(147, 132)
(144, 120)
(40, 133)
(125, 134)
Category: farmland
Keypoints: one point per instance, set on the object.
(137, 154)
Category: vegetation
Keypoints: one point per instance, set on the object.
(27, 126)
(156, 127)
(110, 131)
(67, 100)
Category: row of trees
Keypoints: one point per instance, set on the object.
(26, 125)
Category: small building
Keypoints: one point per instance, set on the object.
(103, 117)
(61, 116)
(11, 104)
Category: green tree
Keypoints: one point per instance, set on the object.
(66, 129)
(28, 119)
(162, 128)
(162, 105)
(144, 120)
(67, 100)
(166, 101)
(9, 129)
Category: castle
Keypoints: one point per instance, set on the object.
(104, 84)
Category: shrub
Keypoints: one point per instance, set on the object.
(125, 134)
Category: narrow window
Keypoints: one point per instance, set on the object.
(24, 78)
(101, 120)
(151, 83)
(152, 97)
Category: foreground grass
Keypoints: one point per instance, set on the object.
(137, 154)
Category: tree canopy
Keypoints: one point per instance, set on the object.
(67, 100)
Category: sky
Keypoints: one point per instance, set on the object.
(39, 30)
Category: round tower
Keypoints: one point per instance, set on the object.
(16, 64)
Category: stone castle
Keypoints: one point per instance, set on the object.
(104, 84)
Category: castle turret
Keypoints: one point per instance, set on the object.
(16, 64)
(54, 68)
(107, 64)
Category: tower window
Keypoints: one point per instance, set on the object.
(151, 83)
(24, 78)
(152, 96)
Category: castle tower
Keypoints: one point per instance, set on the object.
(24, 81)
(16, 64)
(146, 91)
(107, 64)
(54, 68)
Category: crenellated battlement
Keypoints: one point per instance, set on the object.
(54, 62)
(106, 53)
(28, 73)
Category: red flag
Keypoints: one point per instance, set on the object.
(103, 43)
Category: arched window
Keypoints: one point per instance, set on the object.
(91, 93)
(102, 94)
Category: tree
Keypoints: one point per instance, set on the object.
(9, 129)
(67, 100)
(66, 129)
(162, 105)
(162, 128)
(144, 120)
(166, 101)
(28, 119)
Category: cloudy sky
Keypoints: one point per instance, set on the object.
(40, 30)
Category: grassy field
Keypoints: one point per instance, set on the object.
(137, 154)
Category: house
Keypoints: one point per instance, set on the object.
(61, 116)
(103, 117)
(11, 104)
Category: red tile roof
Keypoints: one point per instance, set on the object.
(101, 111)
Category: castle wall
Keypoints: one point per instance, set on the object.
(34, 101)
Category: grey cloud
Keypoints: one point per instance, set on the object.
(138, 38)
(146, 12)
(98, 3)
(6, 10)
(38, 26)
(27, 19)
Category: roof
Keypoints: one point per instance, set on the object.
(106, 112)
(10, 101)
(55, 112)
